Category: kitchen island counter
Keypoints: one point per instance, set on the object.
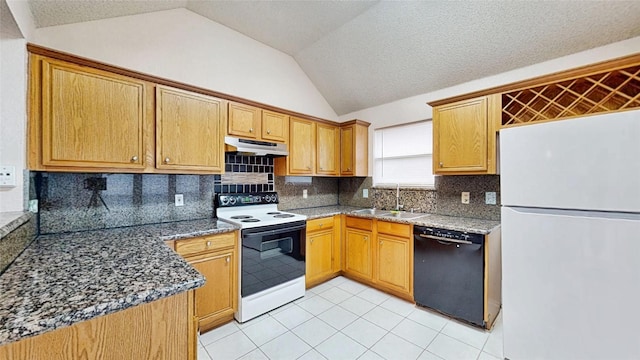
(62, 279)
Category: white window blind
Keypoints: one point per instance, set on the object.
(402, 155)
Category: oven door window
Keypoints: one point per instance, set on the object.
(271, 258)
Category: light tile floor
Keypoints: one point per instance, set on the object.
(342, 319)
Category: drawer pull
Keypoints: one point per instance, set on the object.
(166, 160)
(251, 130)
(134, 158)
(228, 259)
(208, 243)
(268, 132)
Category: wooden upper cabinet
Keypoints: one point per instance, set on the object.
(275, 126)
(302, 147)
(464, 136)
(89, 118)
(189, 130)
(354, 155)
(327, 149)
(244, 120)
(250, 122)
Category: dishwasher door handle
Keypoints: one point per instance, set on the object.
(445, 239)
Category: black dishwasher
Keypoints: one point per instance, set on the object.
(449, 272)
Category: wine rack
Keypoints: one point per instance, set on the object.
(605, 91)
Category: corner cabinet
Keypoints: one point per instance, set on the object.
(464, 136)
(354, 151)
(89, 118)
(215, 257)
(322, 251)
(189, 130)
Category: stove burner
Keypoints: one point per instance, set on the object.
(274, 213)
(250, 220)
(282, 216)
(242, 217)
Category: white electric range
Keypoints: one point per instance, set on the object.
(272, 251)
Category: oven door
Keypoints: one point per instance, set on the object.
(272, 255)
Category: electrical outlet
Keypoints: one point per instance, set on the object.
(179, 200)
(365, 193)
(490, 198)
(305, 194)
(7, 176)
(465, 197)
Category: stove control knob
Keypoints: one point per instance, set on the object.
(232, 201)
(224, 200)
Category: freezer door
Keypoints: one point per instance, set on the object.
(590, 163)
(570, 285)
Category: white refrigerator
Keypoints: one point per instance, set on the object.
(570, 194)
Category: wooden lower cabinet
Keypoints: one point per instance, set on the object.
(161, 329)
(215, 257)
(322, 250)
(380, 254)
(394, 264)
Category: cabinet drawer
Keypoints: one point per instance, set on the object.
(395, 229)
(359, 223)
(205, 243)
(320, 224)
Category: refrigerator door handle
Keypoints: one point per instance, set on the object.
(445, 239)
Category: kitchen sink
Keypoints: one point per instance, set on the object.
(403, 214)
(387, 213)
(369, 212)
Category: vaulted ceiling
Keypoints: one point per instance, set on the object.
(366, 53)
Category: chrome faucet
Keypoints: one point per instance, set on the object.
(398, 206)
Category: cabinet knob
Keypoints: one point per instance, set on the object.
(134, 158)
(208, 243)
(348, 169)
(321, 224)
(166, 160)
(441, 164)
(380, 242)
(321, 168)
(312, 241)
(308, 167)
(228, 258)
(365, 237)
(268, 132)
(251, 130)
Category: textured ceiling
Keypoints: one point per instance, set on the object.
(365, 53)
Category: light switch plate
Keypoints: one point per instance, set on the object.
(465, 197)
(179, 200)
(490, 198)
(365, 193)
(304, 194)
(7, 176)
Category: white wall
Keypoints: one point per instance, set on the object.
(181, 45)
(415, 108)
(13, 95)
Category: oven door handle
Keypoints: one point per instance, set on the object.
(445, 239)
(275, 231)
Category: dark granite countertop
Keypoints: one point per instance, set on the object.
(62, 279)
(459, 223)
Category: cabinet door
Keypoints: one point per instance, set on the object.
(302, 146)
(346, 151)
(327, 149)
(460, 137)
(218, 297)
(358, 253)
(244, 120)
(91, 118)
(275, 126)
(394, 268)
(319, 255)
(189, 131)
